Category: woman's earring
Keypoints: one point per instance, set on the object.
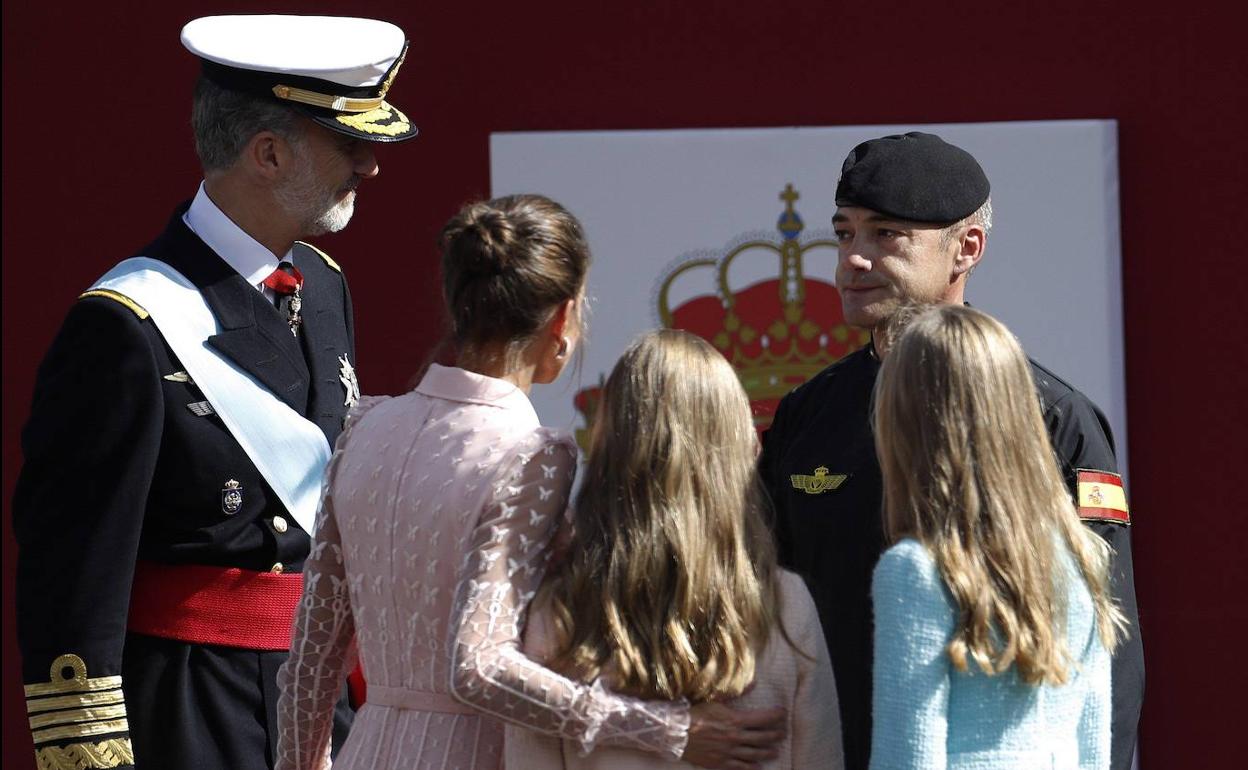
(563, 347)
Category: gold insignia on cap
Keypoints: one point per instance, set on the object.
(394, 70)
(819, 483)
(327, 101)
(371, 122)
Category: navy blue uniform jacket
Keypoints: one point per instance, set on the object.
(118, 469)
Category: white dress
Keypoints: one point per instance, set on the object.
(432, 538)
(801, 682)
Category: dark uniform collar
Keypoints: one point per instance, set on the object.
(870, 349)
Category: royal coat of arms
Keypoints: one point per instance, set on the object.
(776, 332)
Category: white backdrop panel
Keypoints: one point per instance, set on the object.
(1052, 270)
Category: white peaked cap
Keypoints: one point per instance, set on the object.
(343, 50)
(335, 69)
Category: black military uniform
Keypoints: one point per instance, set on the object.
(820, 466)
(125, 463)
(158, 569)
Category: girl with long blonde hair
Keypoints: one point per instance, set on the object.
(993, 618)
(670, 588)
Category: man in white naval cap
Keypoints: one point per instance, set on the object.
(186, 410)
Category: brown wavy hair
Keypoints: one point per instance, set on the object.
(969, 472)
(669, 589)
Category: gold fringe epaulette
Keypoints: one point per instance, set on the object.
(324, 256)
(135, 307)
(73, 707)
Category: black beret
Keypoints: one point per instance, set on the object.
(916, 177)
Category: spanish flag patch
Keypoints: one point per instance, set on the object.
(1102, 498)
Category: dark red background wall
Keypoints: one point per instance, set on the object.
(97, 151)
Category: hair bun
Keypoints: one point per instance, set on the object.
(507, 263)
(485, 241)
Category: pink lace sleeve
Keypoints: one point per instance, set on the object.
(502, 570)
(321, 647)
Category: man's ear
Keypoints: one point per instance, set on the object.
(971, 246)
(267, 155)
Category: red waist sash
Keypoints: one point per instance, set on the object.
(214, 605)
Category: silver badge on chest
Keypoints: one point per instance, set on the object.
(347, 375)
(231, 497)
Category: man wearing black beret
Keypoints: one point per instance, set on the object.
(912, 221)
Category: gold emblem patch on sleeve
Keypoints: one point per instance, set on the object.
(819, 483)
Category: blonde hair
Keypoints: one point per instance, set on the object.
(670, 586)
(970, 473)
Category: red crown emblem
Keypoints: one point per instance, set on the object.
(777, 332)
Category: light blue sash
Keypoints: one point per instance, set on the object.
(289, 450)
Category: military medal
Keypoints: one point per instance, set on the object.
(287, 285)
(347, 375)
(231, 497)
(293, 308)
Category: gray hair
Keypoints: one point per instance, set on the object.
(981, 217)
(224, 120)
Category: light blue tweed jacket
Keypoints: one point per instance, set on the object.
(929, 715)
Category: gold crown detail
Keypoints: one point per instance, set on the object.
(778, 332)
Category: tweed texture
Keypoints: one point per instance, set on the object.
(929, 715)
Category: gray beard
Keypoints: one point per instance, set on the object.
(333, 219)
(311, 204)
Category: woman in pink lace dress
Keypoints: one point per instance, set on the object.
(433, 532)
(670, 588)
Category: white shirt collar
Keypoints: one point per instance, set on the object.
(239, 250)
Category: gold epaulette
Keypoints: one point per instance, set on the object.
(117, 297)
(80, 709)
(324, 256)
